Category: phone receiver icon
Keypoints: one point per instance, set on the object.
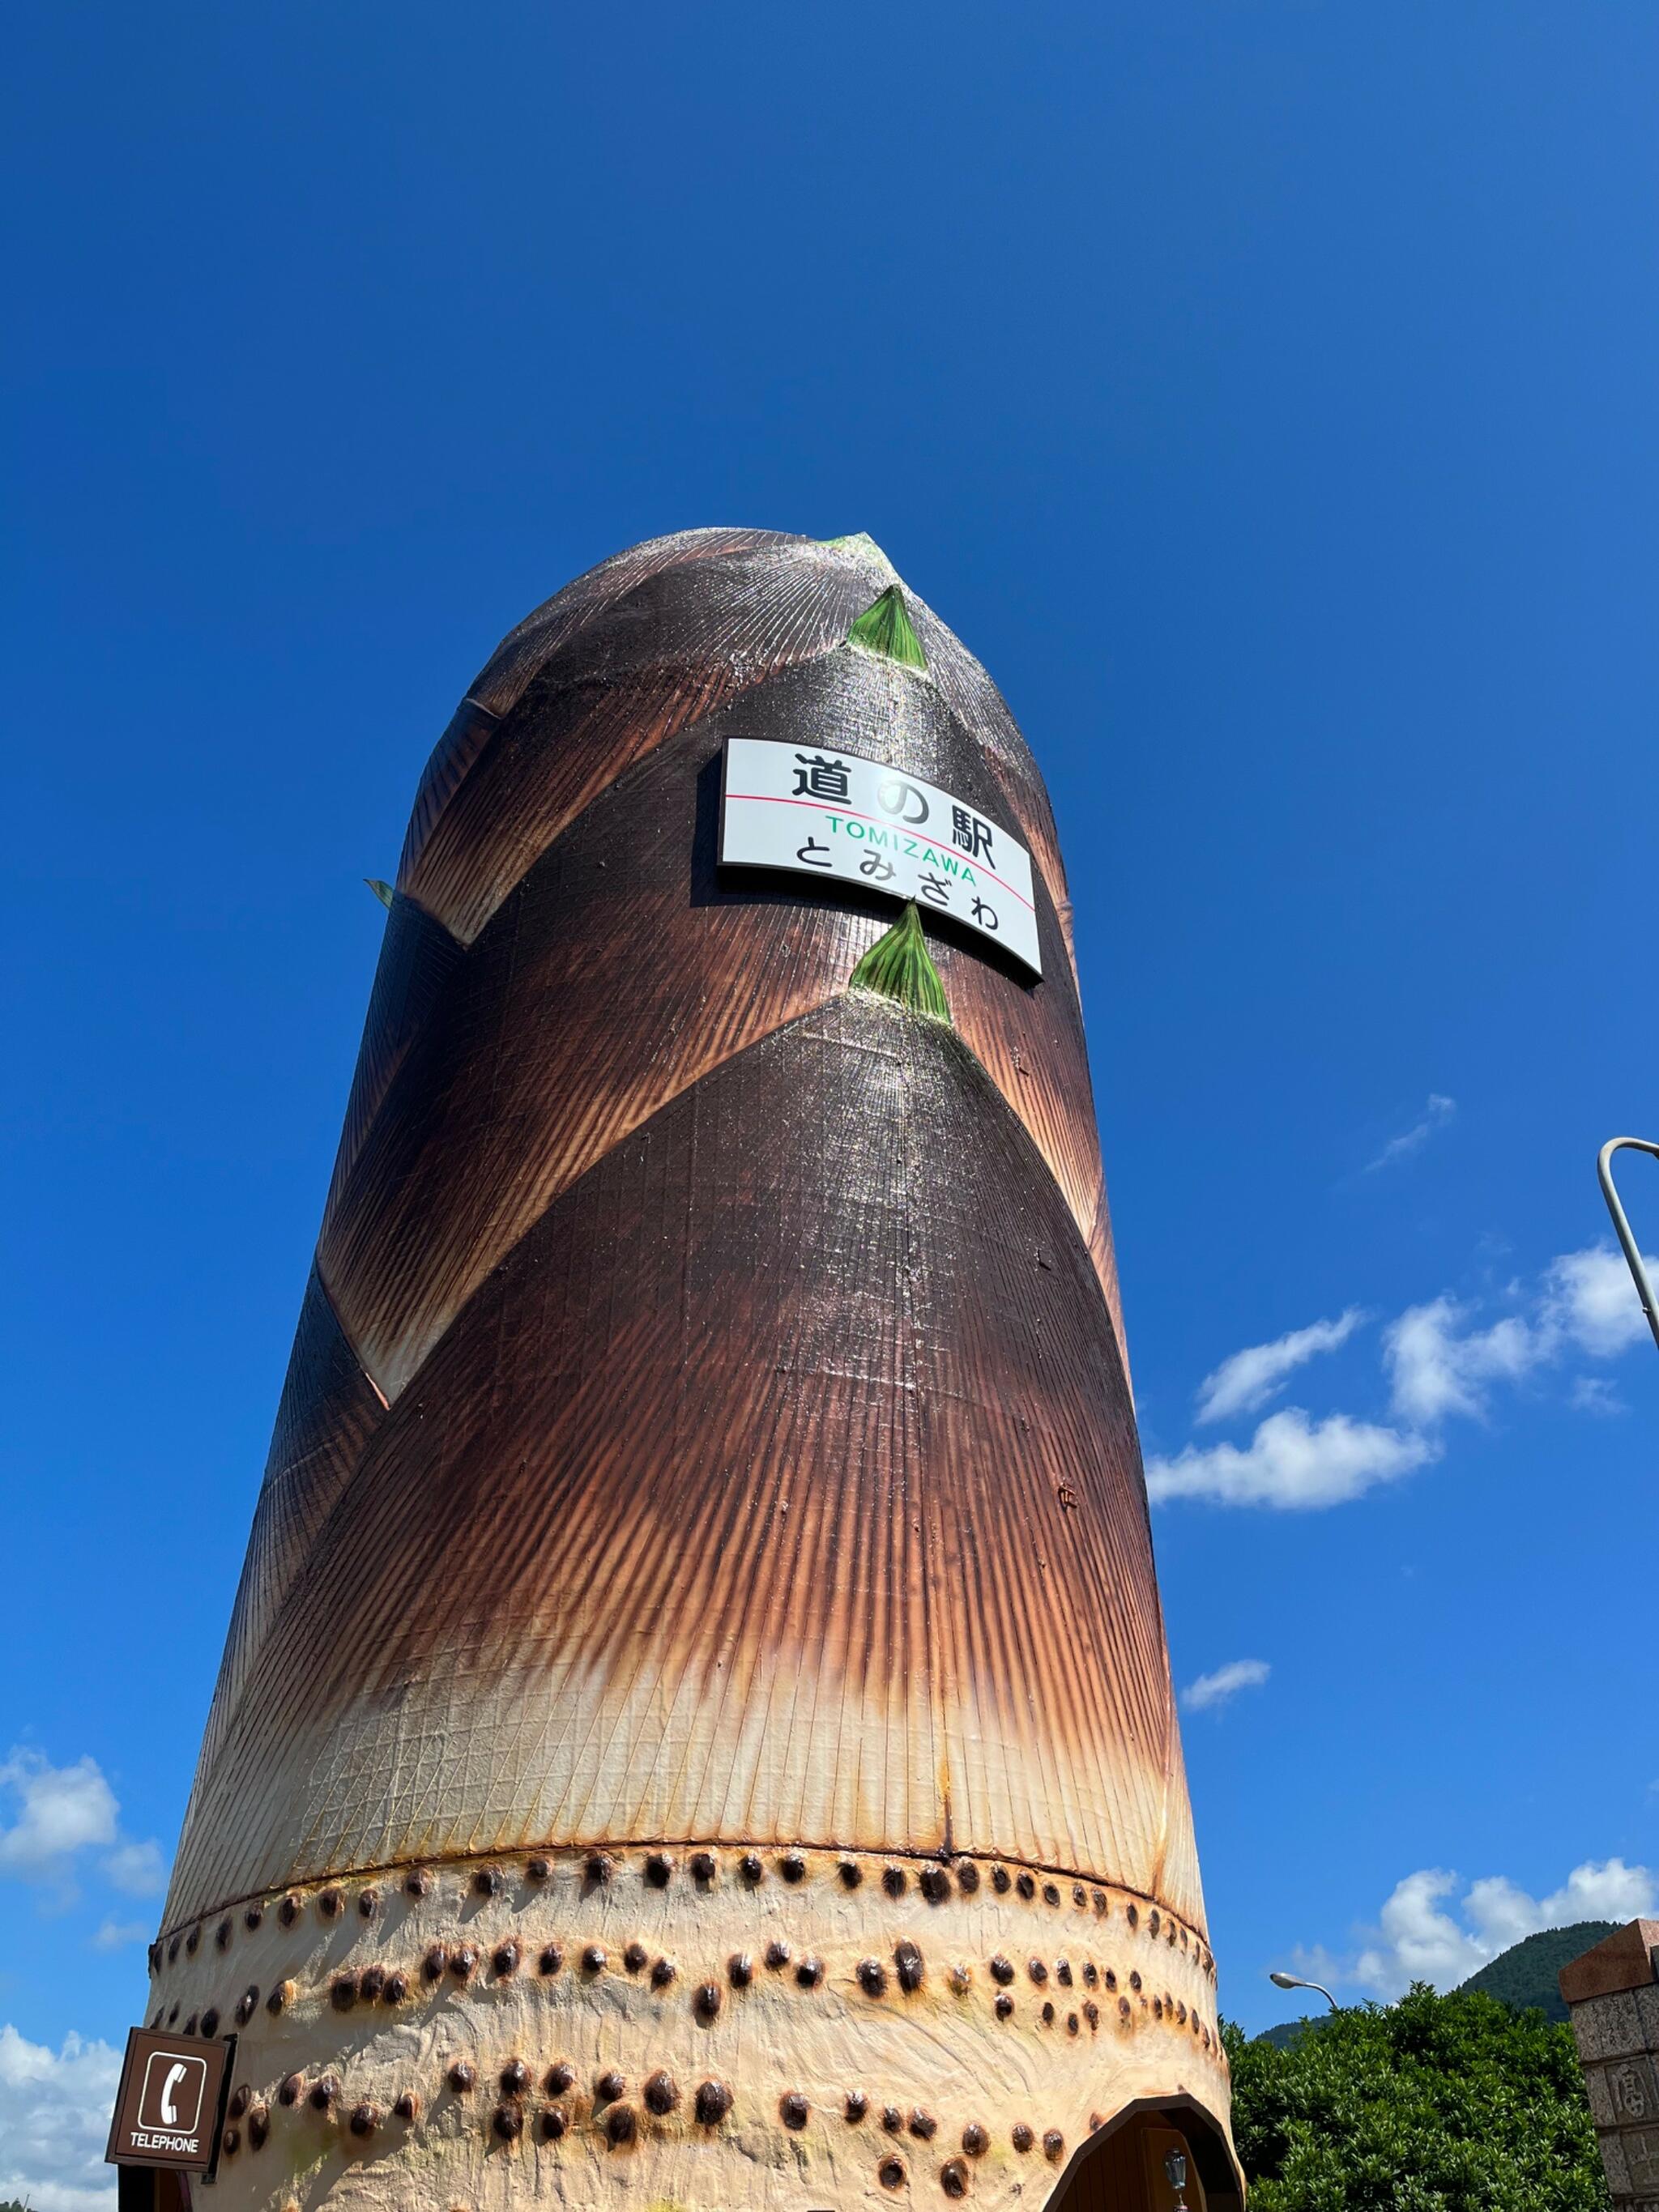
(169, 2110)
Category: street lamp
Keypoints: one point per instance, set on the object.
(1633, 1250)
(1283, 1981)
(1174, 2168)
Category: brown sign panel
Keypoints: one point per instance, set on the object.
(169, 2106)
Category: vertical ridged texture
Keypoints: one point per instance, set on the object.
(708, 1418)
(328, 1411)
(780, 1476)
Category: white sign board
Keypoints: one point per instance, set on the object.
(826, 812)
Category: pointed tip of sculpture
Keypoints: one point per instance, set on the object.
(898, 966)
(861, 543)
(885, 628)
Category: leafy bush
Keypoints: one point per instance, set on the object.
(1437, 2104)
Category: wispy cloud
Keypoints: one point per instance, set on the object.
(117, 1935)
(62, 1810)
(1437, 1112)
(1250, 1377)
(60, 1813)
(1315, 1964)
(1290, 1462)
(1438, 1367)
(1209, 1691)
(1589, 1299)
(1584, 1304)
(54, 2119)
(1594, 1393)
(1442, 1360)
(137, 1868)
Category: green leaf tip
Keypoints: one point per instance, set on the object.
(885, 628)
(382, 891)
(898, 966)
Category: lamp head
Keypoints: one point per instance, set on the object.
(1282, 1981)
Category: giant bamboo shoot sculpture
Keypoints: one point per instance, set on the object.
(695, 1727)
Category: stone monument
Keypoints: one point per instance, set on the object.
(1612, 1995)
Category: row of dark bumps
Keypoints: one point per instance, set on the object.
(660, 2094)
(934, 1882)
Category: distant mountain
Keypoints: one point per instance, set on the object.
(1525, 1974)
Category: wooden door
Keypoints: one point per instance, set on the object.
(1124, 2171)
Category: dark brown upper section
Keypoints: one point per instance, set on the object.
(619, 969)
(708, 1418)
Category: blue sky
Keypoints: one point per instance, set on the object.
(1264, 389)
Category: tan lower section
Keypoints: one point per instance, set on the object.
(1030, 2019)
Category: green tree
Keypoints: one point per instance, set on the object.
(1437, 2104)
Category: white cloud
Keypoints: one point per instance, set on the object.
(1250, 1377)
(1417, 1942)
(116, 1935)
(1594, 1393)
(62, 1811)
(1215, 1689)
(1315, 1964)
(1437, 1368)
(1589, 1298)
(137, 1868)
(1584, 1302)
(1439, 1365)
(1419, 1939)
(1437, 1112)
(54, 2122)
(1290, 1462)
(1612, 1890)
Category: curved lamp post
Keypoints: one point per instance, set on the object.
(1633, 1250)
(1283, 1981)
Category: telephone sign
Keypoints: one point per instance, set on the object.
(169, 2105)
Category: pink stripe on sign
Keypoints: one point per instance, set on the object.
(817, 806)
